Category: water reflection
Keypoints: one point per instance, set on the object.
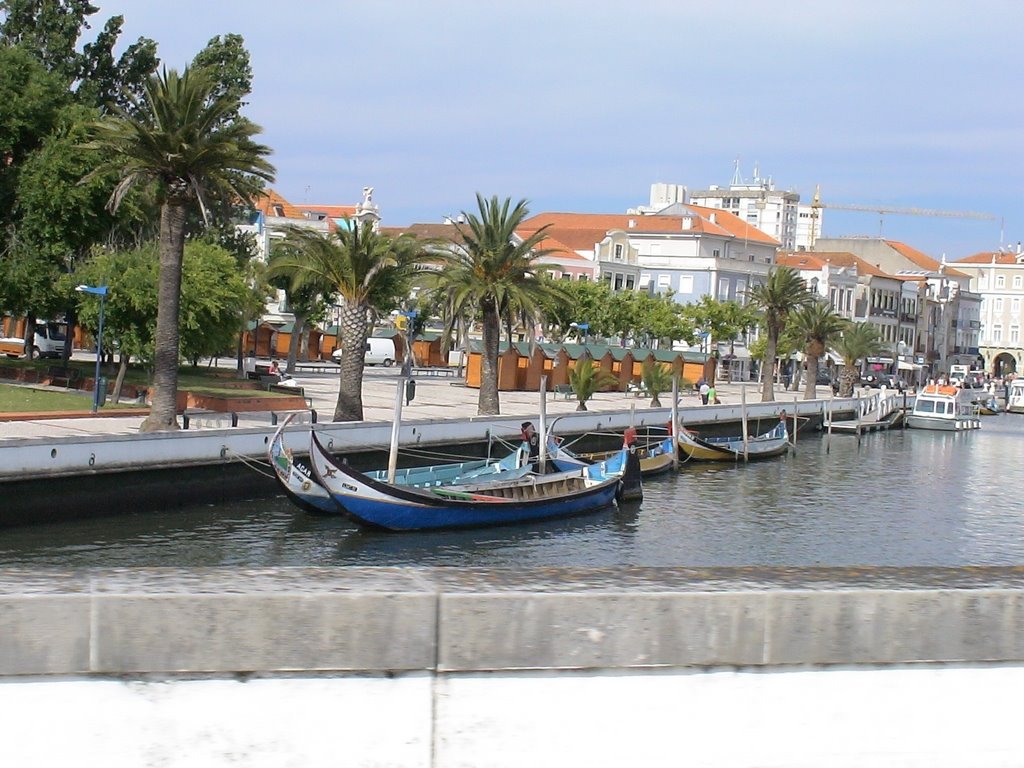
(896, 498)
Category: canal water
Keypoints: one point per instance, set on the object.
(899, 498)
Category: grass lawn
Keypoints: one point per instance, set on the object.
(15, 399)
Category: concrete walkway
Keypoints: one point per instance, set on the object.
(439, 397)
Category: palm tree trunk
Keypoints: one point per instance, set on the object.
(488, 404)
(811, 388)
(767, 388)
(353, 331)
(162, 415)
(298, 331)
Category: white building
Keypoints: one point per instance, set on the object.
(948, 312)
(998, 276)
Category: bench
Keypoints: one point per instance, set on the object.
(284, 389)
(201, 417)
(564, 390)
(301, 417)
(636, 389)
(433, 371)
(259, 372)
(60, 376)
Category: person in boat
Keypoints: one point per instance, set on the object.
(532, 440)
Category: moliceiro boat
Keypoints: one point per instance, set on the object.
(775, 442)
(945, 408)
(305, 491)
(378, 504)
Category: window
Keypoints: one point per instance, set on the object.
(618, 251)
(1014, 334)
(1000, 281)
(567, 276)
(1015, 305)
(716, 253)
(645, 279)
(630, 282)
(997, 304)
(723, 290)
(997, 333)
(1016, 281)
(664, 281)
(686, 284)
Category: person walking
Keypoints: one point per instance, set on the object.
(704, 390)
(712, 398)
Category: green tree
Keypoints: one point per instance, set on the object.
(307, 299)
(858, 341)
(493, 272)
(368, 270)
(226, 61)
(817, 327)
(657, 378)
(586, 378)
(51, 31)
(177, 140)
(31, 99)
(214, 294)
(578, 301)
(776, 299)
(721, 320)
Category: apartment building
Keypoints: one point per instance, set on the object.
(998, 277)
(947, 312)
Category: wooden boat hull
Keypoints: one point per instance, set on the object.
(766, 446)
(296, 480)
(379, 505)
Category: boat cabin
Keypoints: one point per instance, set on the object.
(1015, 398)
(943, 407)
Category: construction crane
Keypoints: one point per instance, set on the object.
(882, 210)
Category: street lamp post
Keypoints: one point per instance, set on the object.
(100, 291)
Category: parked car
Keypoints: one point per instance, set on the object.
(887, 380)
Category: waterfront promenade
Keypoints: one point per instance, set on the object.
(437, 397)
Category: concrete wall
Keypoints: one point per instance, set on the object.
(446, 667)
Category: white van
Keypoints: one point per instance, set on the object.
(49, 341)
(377, 352)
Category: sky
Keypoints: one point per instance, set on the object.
(580, 105)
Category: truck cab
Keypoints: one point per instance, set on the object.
(49, 341)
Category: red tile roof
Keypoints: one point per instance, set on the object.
(583, 230)
(986, 258)
(817, 259)
(922, 260)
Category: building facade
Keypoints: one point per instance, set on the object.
(998, 277)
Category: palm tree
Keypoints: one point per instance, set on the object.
(781, 295)
(859, 340)
(187, 142)
(586, 378)
(370, 271)
(818, 326)
(656, 379)
(492, 272)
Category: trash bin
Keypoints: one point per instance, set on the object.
(102, 387)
